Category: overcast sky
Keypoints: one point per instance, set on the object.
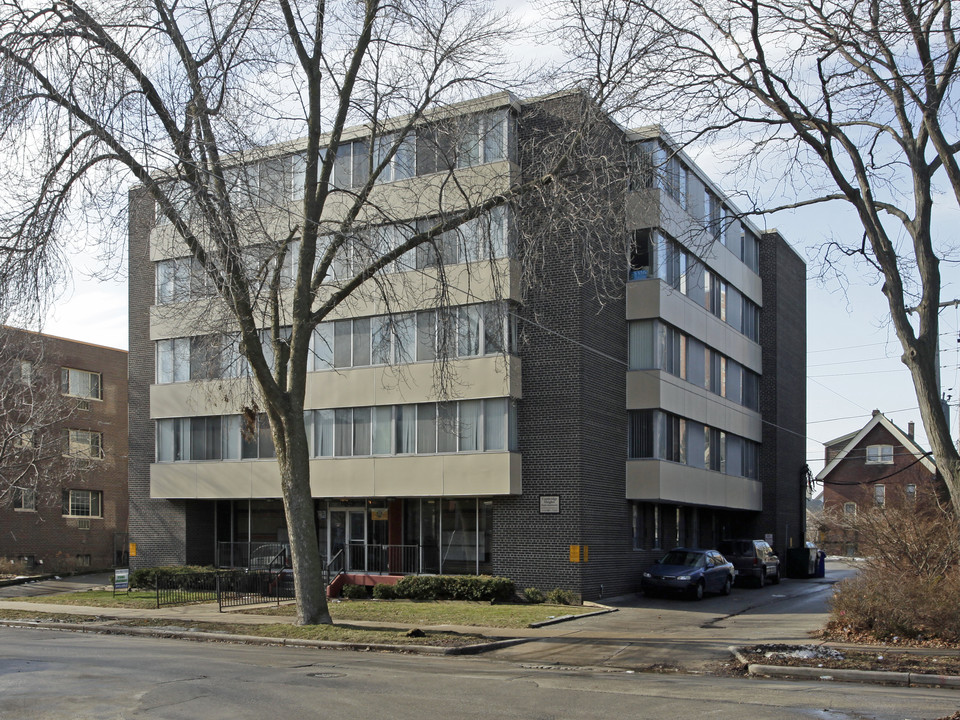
(853, 363)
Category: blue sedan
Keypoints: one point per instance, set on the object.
(690, 572)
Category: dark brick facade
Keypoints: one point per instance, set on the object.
(783, 394)
(45, 539)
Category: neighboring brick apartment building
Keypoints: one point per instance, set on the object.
(586, 437)
(879, 465)
(71, 511)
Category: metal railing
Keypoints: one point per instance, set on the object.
(228, 588)
(253, 587)
(185, 588)
(383, 559)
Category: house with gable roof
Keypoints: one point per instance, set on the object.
(878, 465)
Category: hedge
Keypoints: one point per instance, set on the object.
(145, 579)
(455, 587)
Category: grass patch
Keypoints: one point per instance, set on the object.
(96, 598)
(441, 612)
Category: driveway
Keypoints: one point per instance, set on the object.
(72, 583)
(685, 635)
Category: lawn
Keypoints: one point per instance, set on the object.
(444, 612)
(405, 612)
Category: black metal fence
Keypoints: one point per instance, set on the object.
(231, 588)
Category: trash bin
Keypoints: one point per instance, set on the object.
(801, 562)
(821, 564)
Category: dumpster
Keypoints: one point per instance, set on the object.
(802, 562)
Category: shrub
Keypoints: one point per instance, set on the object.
(384, 591)
(559, 596)
(455, 587)
(888, 602)
(533, 595)
(354, 592)
(145, 579)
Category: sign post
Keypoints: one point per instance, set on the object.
(121, 580)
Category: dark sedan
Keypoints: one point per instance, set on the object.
(690, 572)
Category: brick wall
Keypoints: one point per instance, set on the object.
(157, 527)
(55, 542)
(783, 394)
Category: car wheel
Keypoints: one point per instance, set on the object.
(697, 592)
(762, 580)
(776, 576)
(727, 585)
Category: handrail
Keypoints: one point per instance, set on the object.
(329, 564)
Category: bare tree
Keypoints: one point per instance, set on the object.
(34, 462)
(263, 132)
(836, 102)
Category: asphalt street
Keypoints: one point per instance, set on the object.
(48, 675)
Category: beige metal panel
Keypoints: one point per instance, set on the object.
(230, 479)
(481, 377)
(264, 479)
(409, 476)
(643, 209)
(656, 481)
(481, 474)
(196, 399)
(343, 477)
(651, 389)
(173, 480)
(732, 269)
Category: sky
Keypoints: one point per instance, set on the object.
(853, 364)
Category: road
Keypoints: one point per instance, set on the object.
(48, 675)
(684, 635)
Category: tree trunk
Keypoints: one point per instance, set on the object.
(298, 504)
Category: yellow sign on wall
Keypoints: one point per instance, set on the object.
(579, 553)
(133, 549)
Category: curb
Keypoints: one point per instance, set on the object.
(879, 677)
(201, 636)
(565, 618)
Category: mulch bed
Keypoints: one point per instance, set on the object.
(828, 658)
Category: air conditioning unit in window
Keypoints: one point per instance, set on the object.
(83, 523)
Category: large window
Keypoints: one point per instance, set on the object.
(466, 331)
(82, 503)
(80, 383)
(425, 428)
(204, 357)
(654, 434)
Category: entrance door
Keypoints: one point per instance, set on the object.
(348, 533)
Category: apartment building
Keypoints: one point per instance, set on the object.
(569, 436)
(64, 463)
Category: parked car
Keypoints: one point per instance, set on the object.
(754, 560)
(689, 571)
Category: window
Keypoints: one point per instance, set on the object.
(25, 372)
(25, 499)
(180, 279)
(910, 491)
(82, 503)
(716, 217)
(880, 495)
(879, 454)
(84, 444)
(750, 250)
(850, 508)
(80, 383)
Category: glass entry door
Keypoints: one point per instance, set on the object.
(348, 533)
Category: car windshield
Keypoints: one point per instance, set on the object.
(683, 557)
